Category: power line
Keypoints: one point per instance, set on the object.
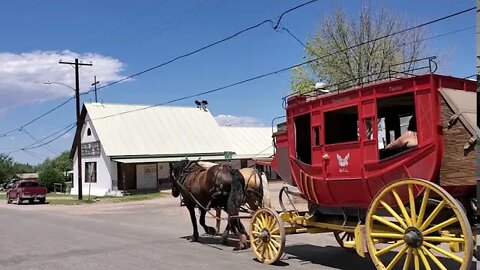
(272, 23)
(36, 118)
(287, 68)
(48, 147)
(265, 74)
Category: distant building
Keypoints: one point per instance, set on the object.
(124, 150)
(27, 176)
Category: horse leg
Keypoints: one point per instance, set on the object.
(191, 209)
(208, 230)
(218, 214)
(242, 234)
(225, 234)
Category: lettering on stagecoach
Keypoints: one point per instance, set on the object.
(343, 162)
(395, 88)
(340, 100)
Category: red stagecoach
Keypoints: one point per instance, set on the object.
(406, 207)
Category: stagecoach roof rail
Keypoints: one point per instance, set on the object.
(431, 67)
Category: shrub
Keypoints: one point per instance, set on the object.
(49, 175)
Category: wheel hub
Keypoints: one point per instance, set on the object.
(265, 235)
(413, 237)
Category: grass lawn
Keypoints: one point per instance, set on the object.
(62, 199)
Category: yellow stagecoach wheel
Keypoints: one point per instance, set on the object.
(267, 235)
(343, 237)
(413, 235)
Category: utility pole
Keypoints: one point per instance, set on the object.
(94, 84)
(78, 138)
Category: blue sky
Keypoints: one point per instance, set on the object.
(125, 37)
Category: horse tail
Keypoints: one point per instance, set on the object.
(266, 202)
(236, 198)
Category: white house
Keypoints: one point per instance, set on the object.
(129, 147)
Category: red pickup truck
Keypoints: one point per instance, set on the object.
(26, 190)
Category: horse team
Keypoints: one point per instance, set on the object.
(206, 186)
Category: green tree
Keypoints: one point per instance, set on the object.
(6, 168)
(363, 63)
(50, 174)
(63, 162)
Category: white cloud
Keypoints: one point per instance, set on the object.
(22, 76)
(238, 121)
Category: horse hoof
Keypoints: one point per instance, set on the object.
(211, 231)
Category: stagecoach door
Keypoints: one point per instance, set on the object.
(341, 155)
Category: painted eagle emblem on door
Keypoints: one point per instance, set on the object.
(343, 162)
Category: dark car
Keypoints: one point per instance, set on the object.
(26, 190)
(8, 184)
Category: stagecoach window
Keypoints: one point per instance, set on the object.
(394, 114)
(341, 125)
(303, 138)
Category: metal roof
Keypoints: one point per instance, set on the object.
(162, 130)
(464, 105)
(250, 142)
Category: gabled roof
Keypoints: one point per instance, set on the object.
(250, 142)
(157, 131)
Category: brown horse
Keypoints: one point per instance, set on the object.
(218, 186)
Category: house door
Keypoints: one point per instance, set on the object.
(127, 176)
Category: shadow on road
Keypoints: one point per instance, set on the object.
(339, 258)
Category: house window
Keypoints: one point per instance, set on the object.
(89, 132)
(90, 172)
(341, 125)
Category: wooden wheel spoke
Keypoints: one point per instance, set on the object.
(344, 236)
(441, 225)
(443, 239)
(433, 258)
(413, 211)
(255, 233)
(433, 215)
(257, 227)
(389, 248)
(397, 258)
(394, 214)
(388, 223)
(406, 265)
(275, 242)
(262, 220)
(273, 224)
(444, 252)
(424, 259)
(402, 208)
(416, 260)
(387, 235)
(269, 251)
(275, 236)
(423, 207)
(275, 230)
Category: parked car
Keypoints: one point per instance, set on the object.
(26, 190)
(8, 184)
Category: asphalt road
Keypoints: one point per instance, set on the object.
(141, 235)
